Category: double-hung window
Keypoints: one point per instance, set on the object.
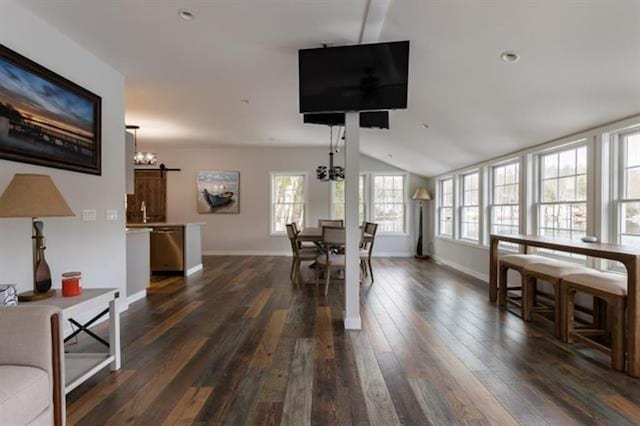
(629, 202)
(563, 193)
(445, 207)
(505, 198)
(338, 201)
(288, 195)
(389, 210)
(470, 207)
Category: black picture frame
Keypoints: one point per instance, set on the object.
(46, 119)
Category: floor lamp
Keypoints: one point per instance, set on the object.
(421, 195)
(34, 196)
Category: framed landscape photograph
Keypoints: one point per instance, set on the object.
(218, 192)
(46, 119)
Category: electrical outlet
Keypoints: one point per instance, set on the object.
(89, 215)
(112, 215)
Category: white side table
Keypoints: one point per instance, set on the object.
(81, 366)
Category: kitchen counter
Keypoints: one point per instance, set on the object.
(177, 250)
(138, 263)
(136, 230)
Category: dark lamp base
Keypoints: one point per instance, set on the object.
(32, 296)
(422, 257)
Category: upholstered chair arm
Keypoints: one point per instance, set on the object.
(31, 336)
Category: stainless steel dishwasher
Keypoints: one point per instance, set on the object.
(167, 249)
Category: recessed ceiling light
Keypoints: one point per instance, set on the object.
(509, 57)
(186, 15)
(425, 125)
(245, 101)
(390, 155)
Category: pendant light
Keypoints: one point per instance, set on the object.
(141, 158)
(331, 173)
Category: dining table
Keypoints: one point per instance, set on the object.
(629, 256)
(314, 235)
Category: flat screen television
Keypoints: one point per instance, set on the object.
(369, 120)
(365, 77)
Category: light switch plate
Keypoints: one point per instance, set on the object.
(88, 215)
(112, 215)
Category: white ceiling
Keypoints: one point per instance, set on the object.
(579, 67)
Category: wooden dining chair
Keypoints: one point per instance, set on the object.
(301, 244)
(366, 249)
(337, 223)
(332, 237)
(299, 254)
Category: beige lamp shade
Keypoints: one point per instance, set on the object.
(30, 195)
(421, 194)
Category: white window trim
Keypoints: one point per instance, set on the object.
(367, 209)
(490, 196)
(577, 144)
(370, 213)
(460, 205)
(438, 197)
(617, 188)
(272, 175)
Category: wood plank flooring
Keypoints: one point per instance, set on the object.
(238, 344)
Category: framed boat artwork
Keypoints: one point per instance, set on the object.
(46, 119)
(218, 192)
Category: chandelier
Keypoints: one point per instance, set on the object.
(331, 173)
(141, 158)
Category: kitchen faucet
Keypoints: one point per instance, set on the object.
(143, 209)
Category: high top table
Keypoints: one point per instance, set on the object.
(628, 256)
(78, 367)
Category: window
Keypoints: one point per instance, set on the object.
(563, 194)
(445, 207)
(629, 205)
(287, 200)
(505, 198)
(470, 207)
(338, 203)
(389, 203)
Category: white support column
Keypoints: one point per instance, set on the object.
(352, 244)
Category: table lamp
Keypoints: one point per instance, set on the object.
(421, 194)
(34, 196)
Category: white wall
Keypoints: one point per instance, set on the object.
(95, 248)
(248, 232)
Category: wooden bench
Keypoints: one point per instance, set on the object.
(516, 262)
(612, 289)
(553, 273)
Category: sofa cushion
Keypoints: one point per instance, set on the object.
(25, 393)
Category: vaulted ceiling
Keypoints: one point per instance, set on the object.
(186, 81)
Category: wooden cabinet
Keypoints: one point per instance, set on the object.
(150, 187)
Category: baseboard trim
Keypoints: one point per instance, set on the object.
(193, 270)
(353, 323)
(462, 268)
(393, 254)
(137, 296)
(288, 253)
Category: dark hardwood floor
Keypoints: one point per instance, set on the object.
(238, 344)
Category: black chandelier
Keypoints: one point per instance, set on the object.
(331, 173)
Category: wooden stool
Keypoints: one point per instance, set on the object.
(516, 262)
(610, 288)
(551, 272)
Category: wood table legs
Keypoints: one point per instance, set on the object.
(493, 269)
(633, 317)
